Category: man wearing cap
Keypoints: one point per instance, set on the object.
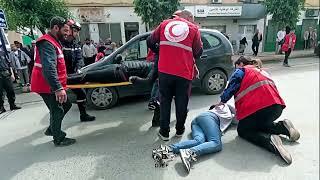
(49, 78)
(180, 44)
(73, 56)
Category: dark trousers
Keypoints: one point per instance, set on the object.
(6, 84)
(286, 56)
(89, 60)
(255, 48)
(169, 86)
(57, 113)
(258, 127)
(81, 100)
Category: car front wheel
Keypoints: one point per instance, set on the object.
(102, 98)
(214, 82)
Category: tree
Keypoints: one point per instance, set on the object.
(30, 14)
(152, 12)
(284, 12)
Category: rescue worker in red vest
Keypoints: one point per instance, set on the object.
(73, 57)
(258, 105)
(180, 44)
(49, 78)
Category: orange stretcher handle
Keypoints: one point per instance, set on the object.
(96, 85)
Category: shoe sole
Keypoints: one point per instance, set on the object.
(162, 137)
(179, 135)
(62, 145)
(185, 164)
(293, 132)
(285, 155)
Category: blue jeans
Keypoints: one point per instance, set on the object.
(206, 135)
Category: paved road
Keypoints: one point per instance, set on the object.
(118, 144)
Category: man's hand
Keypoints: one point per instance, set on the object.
(216, 105)
(197, 73)
(61, 96)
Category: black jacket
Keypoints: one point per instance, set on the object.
(73, 56)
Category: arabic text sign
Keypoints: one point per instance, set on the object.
(204, 11)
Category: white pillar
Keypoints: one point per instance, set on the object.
(123, 33)
(94, 32)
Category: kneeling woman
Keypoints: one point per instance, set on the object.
(259, 105)
(206, 134)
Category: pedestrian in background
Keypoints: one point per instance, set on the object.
(101, 53)
(258, 105)
(20, 46)
(6, 82)
(20, 61)
(89, 52)
(243, 45)
(280, 40)
(314, 38)
(307, 38)
(257, 38)
(31, 63)
(288, 45)
(49, 78)
(176, 67)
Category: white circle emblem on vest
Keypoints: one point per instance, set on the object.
(176, 31)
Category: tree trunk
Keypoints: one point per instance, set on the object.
(31, 33)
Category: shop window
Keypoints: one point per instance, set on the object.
(209, 41)
(138, 50)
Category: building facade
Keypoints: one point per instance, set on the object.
(235, 18)
(101, 19)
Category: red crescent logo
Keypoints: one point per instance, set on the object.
(170, 31)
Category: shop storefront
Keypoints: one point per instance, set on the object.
(236, 21)
(100, 23)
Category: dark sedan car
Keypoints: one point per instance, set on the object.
(215, 66)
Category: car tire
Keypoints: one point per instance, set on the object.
(102, 98)
(214, 82)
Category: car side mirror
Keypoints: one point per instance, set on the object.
(118, 59)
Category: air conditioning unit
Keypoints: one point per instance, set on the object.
(312, 13)
(216, 1)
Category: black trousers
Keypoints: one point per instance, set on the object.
(81, 100)
(258, 127)
(286, 56)
(169, 86)
(57, 113)
(6, 84)
(255, 48)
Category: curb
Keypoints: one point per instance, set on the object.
(277, 58)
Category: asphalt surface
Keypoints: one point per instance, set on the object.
(119, 143)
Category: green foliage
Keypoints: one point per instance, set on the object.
(285, 12)
(152, 12)
(33, 13)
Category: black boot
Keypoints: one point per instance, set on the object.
(156, 116)
(84, 117)
(64, 142)
(2, 110)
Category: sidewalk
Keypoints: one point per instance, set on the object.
(271, 56)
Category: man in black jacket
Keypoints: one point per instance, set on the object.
(73, 57)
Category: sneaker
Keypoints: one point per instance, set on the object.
(280, 150)
(14, 107)
(152, 105)
(163, 136)
(64, 142)
(48, 132)
(187, 157)
(286, 65)
(87, 118)
(2, 110)
(179, 133)
(294, 134)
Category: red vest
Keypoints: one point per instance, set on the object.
(289, 42)
(176, 39)
(38, 83)
(257, 91)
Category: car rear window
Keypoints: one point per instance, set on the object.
(209, 41)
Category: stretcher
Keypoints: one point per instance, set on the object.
(96, 85)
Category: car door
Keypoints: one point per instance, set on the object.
(213, 53)
(134, 59)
